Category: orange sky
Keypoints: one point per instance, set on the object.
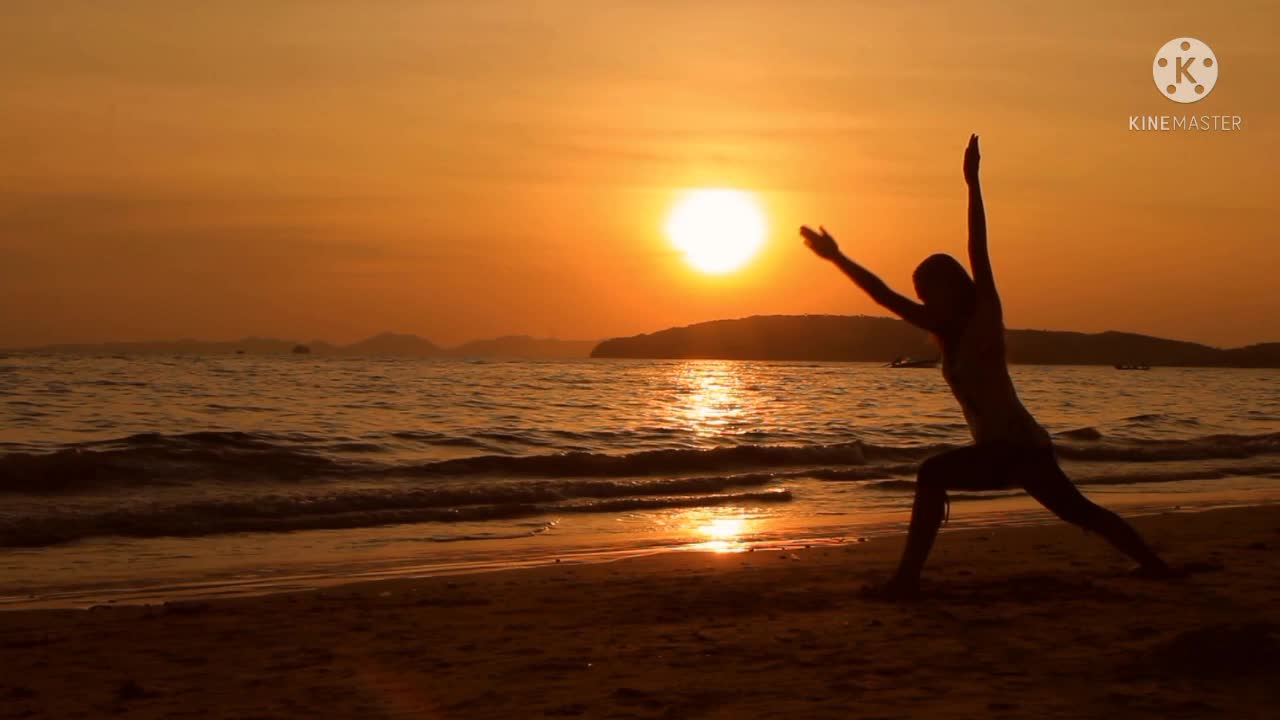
(462, 168)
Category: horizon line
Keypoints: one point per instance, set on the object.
(536, 338)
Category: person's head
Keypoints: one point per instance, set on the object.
(944, 286)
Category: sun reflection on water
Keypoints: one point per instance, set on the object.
(712, 401)
(721, 533)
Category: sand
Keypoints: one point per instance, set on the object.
(1016, 622)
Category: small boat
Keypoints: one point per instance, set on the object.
(906, 362)
(1131, 366)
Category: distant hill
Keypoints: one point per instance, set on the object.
(391, 344)
(385, 344)
(522, 346)
(255, 345)
(778, 337)
(881, 339)
(1260, 355)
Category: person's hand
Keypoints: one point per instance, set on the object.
(971, 158)
(821, 243)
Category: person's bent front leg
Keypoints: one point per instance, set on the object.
(926, 517)
(968, 468)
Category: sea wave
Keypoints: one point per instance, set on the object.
(1118, 475)
(154, 458)
(1210, 447)
(305, 482)
(246, 457)
(351, 510)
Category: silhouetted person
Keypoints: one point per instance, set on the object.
(1010, 448)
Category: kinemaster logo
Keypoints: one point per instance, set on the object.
(1186, 70)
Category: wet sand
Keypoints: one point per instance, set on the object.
(1016, 622)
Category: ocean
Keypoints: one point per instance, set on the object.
(129, 478)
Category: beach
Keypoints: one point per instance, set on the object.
(1039, 621)
(624, 360)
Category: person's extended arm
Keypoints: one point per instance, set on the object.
(824, 246)
(979, 258)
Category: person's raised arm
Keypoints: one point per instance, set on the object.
(824, 246)
(979, 257)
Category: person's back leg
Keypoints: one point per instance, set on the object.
(967, 468)
(1053, 489)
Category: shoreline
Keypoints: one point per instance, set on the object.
(458, 559)
(1015, 621)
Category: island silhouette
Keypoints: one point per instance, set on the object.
(846, 338)
(860, 338)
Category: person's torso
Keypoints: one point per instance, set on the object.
(975, 367)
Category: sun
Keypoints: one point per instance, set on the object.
(717, 229)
